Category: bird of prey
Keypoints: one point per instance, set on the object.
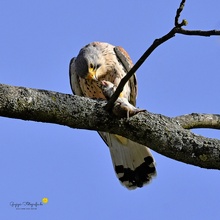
(100, 62)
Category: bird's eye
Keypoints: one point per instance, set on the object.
(91, 66)
(98, 65)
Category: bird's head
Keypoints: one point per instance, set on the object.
(88, 62)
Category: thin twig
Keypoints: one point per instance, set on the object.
(178, 12)
(137, 65)
(177, 29)
(120, 87)
(198, 32)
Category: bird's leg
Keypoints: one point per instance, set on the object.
(128, 114)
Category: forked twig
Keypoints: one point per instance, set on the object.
(176, 30)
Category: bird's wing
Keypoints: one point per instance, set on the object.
(126, 61)
(74, 79)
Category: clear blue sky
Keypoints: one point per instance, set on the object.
(71, 167)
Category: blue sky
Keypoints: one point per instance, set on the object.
(72, 167)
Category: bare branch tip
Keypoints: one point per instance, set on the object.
(184, 22)
(178, 12)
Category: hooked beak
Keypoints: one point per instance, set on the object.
(91, 75)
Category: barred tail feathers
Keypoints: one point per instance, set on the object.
(133, 162)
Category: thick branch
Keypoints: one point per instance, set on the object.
(196, 120)
(160, 133)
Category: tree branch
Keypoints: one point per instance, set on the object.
(137, 65)
(196, 120)
(162, 134)
(176, 30)
(208, 33)
(178, 12)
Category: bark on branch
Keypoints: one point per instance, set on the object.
(162, 134)
(196, 120)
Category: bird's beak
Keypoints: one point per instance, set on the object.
(91, 75)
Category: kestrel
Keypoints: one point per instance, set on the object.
(100, 62)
